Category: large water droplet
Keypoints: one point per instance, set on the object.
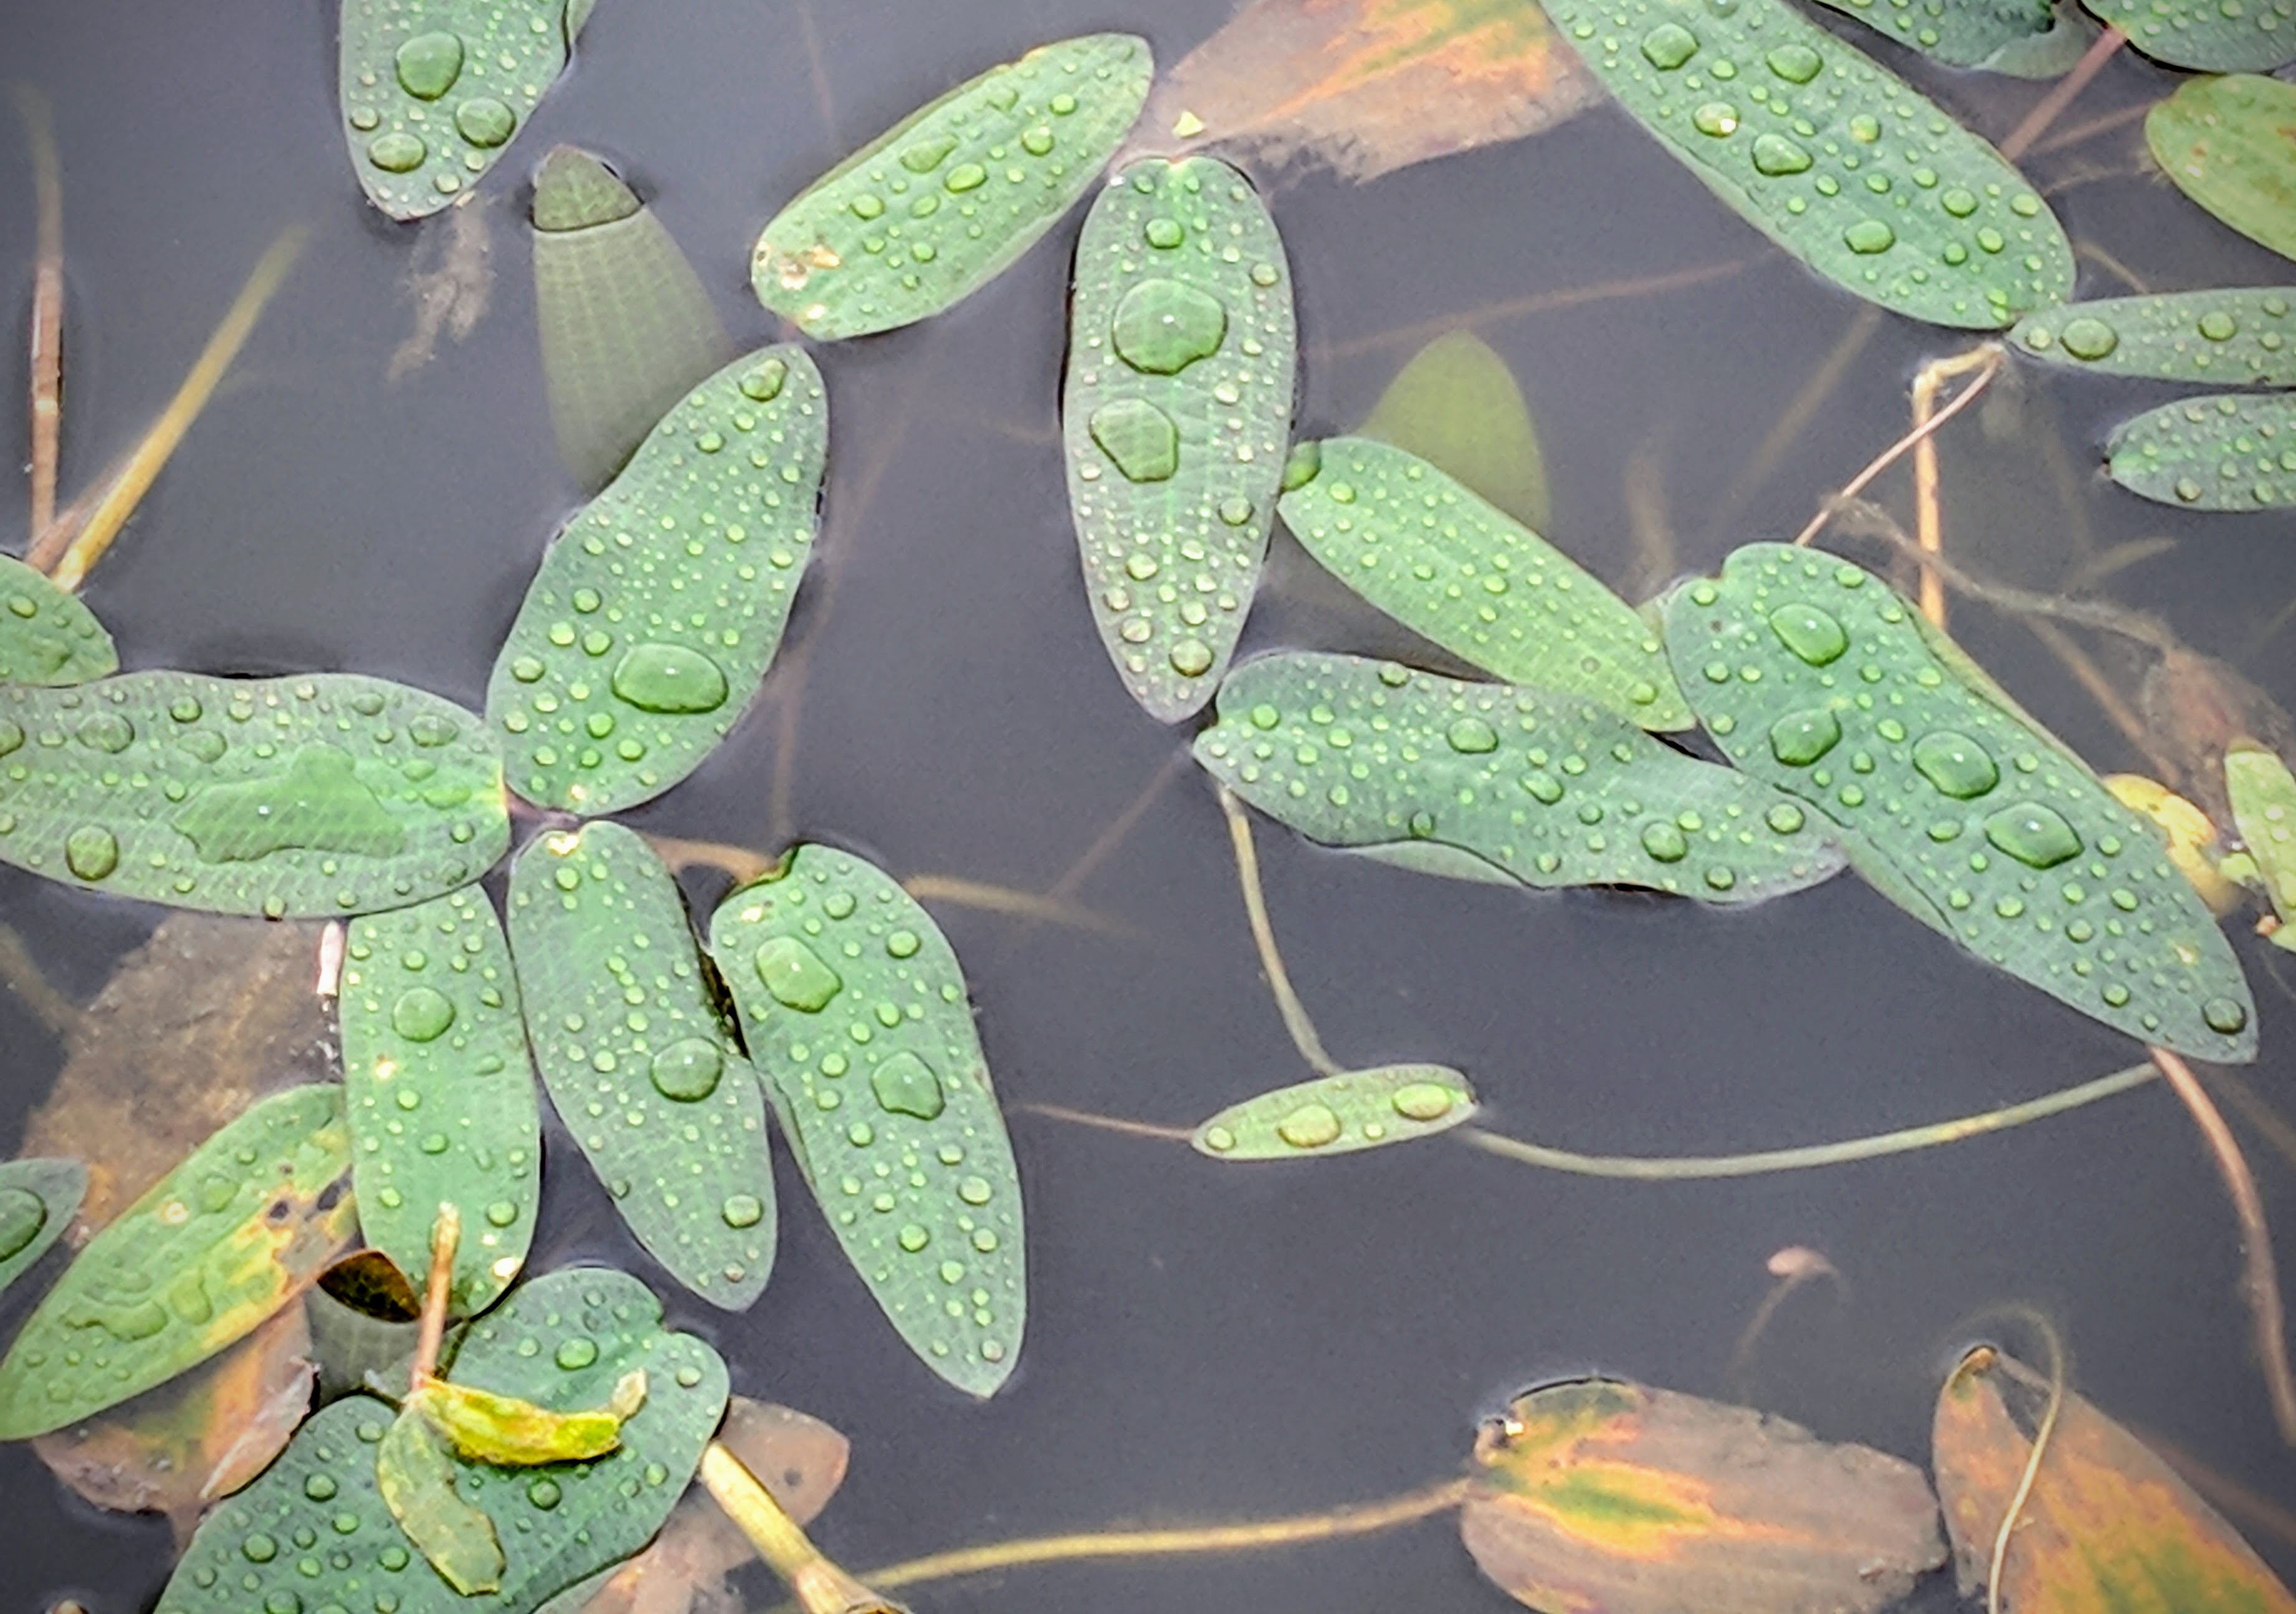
(1664, 842)
(1141, 438)
(1310, 1126)
(1868, 237)
(429, 64)
(1795, 63)
(2035, 835)
(1811, 634)
(741, 1210)
(1956, 765)
(657, 678)
(1800, 738)
(575, 1354)
(22, 1214)
(1163, 326)
(796, 975)
(1669, 46)
(688, 1070)
(397, 152)
(2223, 1015)
(91, 851)
(485, 122)
(1472, 736)
(2089, 338)
(905, 1084)
(1423, 1100)
(1775, 156)
(422, 1014)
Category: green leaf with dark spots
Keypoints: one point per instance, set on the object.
(2215, 35)
(662, 1105)
(1813, 675)
(1340, 1114)
(38, 1199)
(2025, 38)
(2229, 451)
(48, 636)
(2229, 143)
(1456, 406)
(2233, 336)
(856, 1013)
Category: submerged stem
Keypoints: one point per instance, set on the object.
(47, 351)
(1927, 525)
(2024, 1491)
(821, 1587)
(2061, 93)
(1986, 360)
(1263, 937)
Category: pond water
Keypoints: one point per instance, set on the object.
(1207, 1343)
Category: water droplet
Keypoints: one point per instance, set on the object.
(576, 1353)
(1236, 510)
(1958, 203)
(2218, 326)
(1811, 634)
(688, 1070)
(422, 1014)
(974, 1191)
(763, 384)
(397, 152)
(905, 1084)
(1190, 658)
(319, 1487)
(741, 1210)
(2035, 835)
(1037, 141)
(1302, 464)
(543, 1493)
(1139, 437)
(1163, 326)
(1310, 1126)
(1795, 63)
(914, 1237)
(1165, 233)
(91, 852)
(657, 678)
(1715, 118)
(485, 122)
(1956, 765)
(22, 1214)
(429, 64)
(1219, 1139)
(259, 1548)
(107, 731)
(1423, 1100)
(1868, 237)
(903, 944)
(1776, 155)
(501, 1213)
(1669, 46)
(1664, 842)
(2223, 1015)
(924, 156)
(1800, 738)
(796, 975)
(1784, 818)
(1472, 736)
(2089, 338)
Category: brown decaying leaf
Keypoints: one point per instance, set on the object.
(2194, 707)
(2107, 1525)
(1604, 1498)
(1368, 86)
(177, 1448)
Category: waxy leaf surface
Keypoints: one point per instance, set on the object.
(940, 203)
(439, 1092)
(322, 795)
(1340, 1114)
(2263, 795)
(2234, 336)
(2229, 143)
(2244, 36)
(1552, 790)
(2020, 38)
(854, 1011)
(230, 1235)
(2107, 1525)
(1456, 406)
(48, 636)
(1453, 569)
(1812, 674)
(662, 1105)
(646, 634)
(2229, 451)
(38, 1199)
(1174, 418)
(1600, 1494)
(1838, 161)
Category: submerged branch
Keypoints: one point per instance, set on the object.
(1263, 937)
(1987, 361)
(820, 1585)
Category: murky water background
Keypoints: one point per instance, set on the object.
(1206, 1342)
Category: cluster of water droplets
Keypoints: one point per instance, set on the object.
(2224, 453)
(1355, 1110)
(2236, 337)
(46, 636)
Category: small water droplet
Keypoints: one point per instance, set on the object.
(1868, 237)
(485, 122)
(687, 1070)
(1812, 635)
(741, 1210)
(1800, 738)
(2089, 338)
(91, 851)
(543, 1492)
(1794, 63)
(1669, 46)
(1190, 658)
(576, 1353)
(397, 152)
(1715, 118)
(1664, 842)
(914, 1237)
(1423, 1100)
(1472, 736)
(2225, 1015)
(1165, 233)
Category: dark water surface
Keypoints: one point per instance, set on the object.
(1206, 1342)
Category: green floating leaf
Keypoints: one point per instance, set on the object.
(2263, 796)
(939, 204)
(664, 1107)
(1451, 568)
(1456, 406)
(1340, 1114)
(1812, 674)
(417, 1480)
(2229, 143)
(439, 1092)
(854, 1011)
(238, 1230)
(1173, 414)
(48, 636)
(2215, 35)
(38, 1199)
(646, 634)
(2237, 336)
(432, 90)
(626, 325)
(2024, 38)
(1838, 161)
(1552, 790)
(320, 795)
(2227, 452)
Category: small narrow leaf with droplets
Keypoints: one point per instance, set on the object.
(2263, 795)
(2214, 36)
(37, 1202)
(2229, 143)
(1340, 1114)
(856, 1013)
(1174, 416)
(2233, 336)
(2229, 451)
(2024, 38)
(48, 636)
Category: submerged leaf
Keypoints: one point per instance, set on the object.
(661, 1102)
(1456, 406)
(48, 636)
(2229, 143)
(2218, 36)
(1552, 790)
(1813, 674)
(37, 1202)
(1452, 568)
(2022, 38)
(2233, 336)
(2107, 1525)
(1174, 415)
(940, 203)
(1340, 1114)
(2264, 805)
(626, 325)
(325, 794)
(418, 1484)
(1605, 1494)
(1949, 242)
(2231, 452)
(855, 1010)
(646, 634)
(230, 1235)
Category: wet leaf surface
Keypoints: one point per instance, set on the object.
(2254, 36)
(2264, 807)
(2229, 143)
(2231, 452)
(1456, 406)
(2237, 336)
(48, 636)
(418, 1485)
(2025, 38)
(1340, 1114)
(38, 1199)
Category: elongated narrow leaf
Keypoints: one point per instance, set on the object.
(2229, 143)
(48, 636)
(1340, 1114)
(1175, 414)
(2107, 1525)
(418, 1483)
(1453, 569)
(661, 1103)
(854, 1011)
(2234, 336)
(626, 325)
(1838, 161)
(439, 1092)
(432, 90)
(2226, 452)
(284, 796)
(937, 205)
(2025, 38)
(235, 1232)
(1557, 791)
(2218, 36)
(1604, 1494)
(2263, 796)
(1456, 406)
(644, 637)
(38, 1199)
(1812, 674)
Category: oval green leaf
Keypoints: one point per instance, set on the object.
(48, 636)
(438, 1091)
(646, 634)
(2025, 38)
(662, 1105)
(854, 1011)
(1456, 406)
(1340, 1114)
(1812, 674)
(313, 796)
(1554, 790)
(2229, 143)
(940, 203)
(2215, 35)
(2229, 451)
(1454, 569)
(236, 1230)
(2234, 336)
(1839, 160)
(2263, 796)
(38, 1199)
(1174, 415)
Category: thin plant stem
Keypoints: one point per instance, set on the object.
(2091, 677)
(2042, 1432)
(47, 338)
(1263, 937)
(2089, 130)
(821, 1587)
(1109, 840)
(2255, 1109)
(1006, 899)
(445, 1237)
(2061, 93)
(1801, 1266)
(1111, 1123)
(1988, 364)
(1928, 526)
(818, 66)
(2260, 1282)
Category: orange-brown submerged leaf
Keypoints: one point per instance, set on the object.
(1605, 1496)
(1368, 85)
(512, 1433)
(2108, 1526)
